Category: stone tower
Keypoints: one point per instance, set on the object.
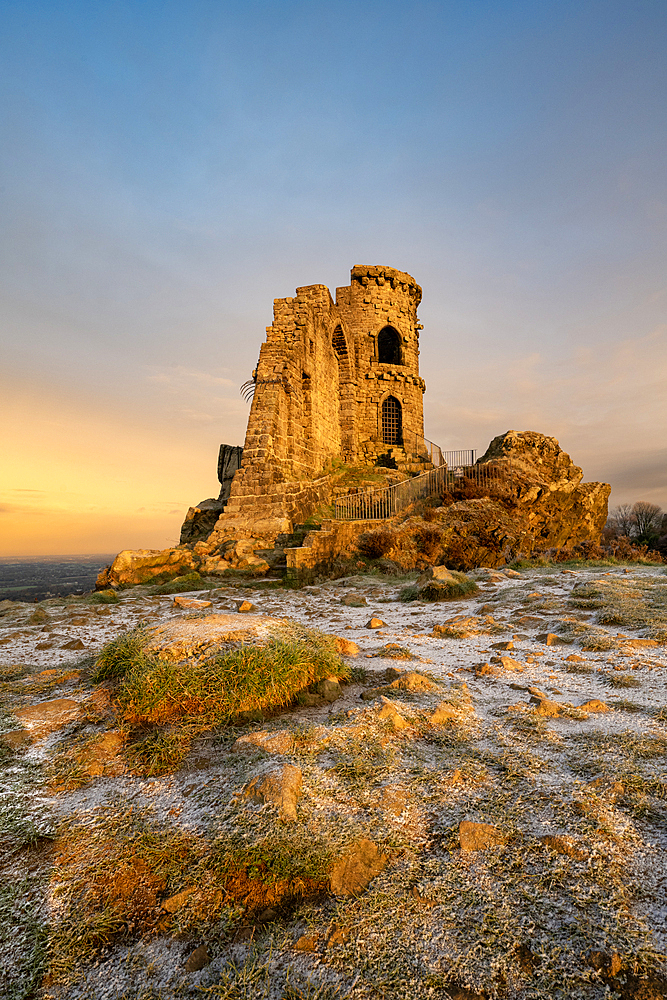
(334, 380)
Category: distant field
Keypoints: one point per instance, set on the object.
(55, 576)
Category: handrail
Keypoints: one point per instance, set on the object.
(378, 504)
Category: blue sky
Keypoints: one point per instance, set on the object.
(168, 169)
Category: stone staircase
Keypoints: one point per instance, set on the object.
(410, 464)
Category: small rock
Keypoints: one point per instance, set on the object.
(485, 670)
(411, 680)
(389, 711)
(503, 645)
(276, 742)
(330, 689)
(509, 664)
(73, 644)
(245, 607)
(375, 623)
(190, 602)
(511, 572)
(357, 868)
(199, 959)
(444, 713)
(594, 705)
(307, 942)
(281, 787)
(564, 845)
(550, 639)
(575, 658)
(354, 601)
(545, 707)
(338, 935)
(345, 646)
(174, 903)
(604, 962)
(479, 836)
(48, 714)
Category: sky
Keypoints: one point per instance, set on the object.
(169, 167)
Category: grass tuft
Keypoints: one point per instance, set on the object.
(119, 655)
(104, 597)
(183, 584)
(156, 692)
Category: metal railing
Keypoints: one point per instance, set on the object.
(378, 504)
(459, 481)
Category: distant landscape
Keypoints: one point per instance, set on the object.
(49, 576)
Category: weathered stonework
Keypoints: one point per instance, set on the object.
(326, 376)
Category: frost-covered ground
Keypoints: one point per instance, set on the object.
(580, 915)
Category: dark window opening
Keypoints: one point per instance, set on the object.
(392, 421)
(389, 347)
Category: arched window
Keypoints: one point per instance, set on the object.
(392, 421)
(389, 347)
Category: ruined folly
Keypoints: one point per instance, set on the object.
(336, 390)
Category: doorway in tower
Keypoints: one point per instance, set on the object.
(392, 421)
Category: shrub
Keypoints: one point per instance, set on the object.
(376, 544)
(429, 541)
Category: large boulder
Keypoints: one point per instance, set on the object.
(133, 566)
(557, 509)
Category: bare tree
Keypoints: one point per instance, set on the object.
(647, 522)
(622, 519)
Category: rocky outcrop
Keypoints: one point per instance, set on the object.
(201, 520)
(537, 502)
(559, 510)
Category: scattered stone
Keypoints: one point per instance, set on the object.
(280, 742)
(485, 670)
(375, 623)
(575, 658)
(640, 643)
(354, 601)
(389, 711)
(511, 573)
(198, 960)
(444, 713)
(281, 787)
(104, 756)
(190, 602)
(594, 705)
(604, 962)
(330, 689)
(550, 639)
(356, 869)
(338, 935)
(545, 707)
(73, 644)
(563, 844)
(245, 607)
(345, 646)
(510, 664)
(47, 715)
(479, 836)
(307, 942)
(174, 903)
(503, 645)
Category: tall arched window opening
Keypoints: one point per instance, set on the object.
(389, 347)
(392, 421)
